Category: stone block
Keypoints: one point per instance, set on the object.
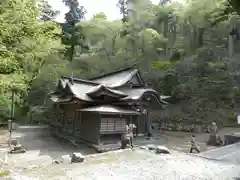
(151, 147)
(162, 150)
(17, 151)
(77, 158)
(14, 126)
(17, 147)
(13, 142)
(66, 159)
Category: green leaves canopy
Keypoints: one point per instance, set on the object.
(25, 42)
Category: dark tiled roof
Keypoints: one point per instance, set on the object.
(111, 80)
(84, 89)
(116, 80)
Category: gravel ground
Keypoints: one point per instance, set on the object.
(138, 165)
(130, 165)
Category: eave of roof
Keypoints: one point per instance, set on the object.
(137, 94)
(58, 99)
(83, 91)
(109, 109)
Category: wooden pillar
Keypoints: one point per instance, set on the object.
(98, 129)
(74, 122)
(146, 119)
(137, 124)
(79, 125)
(148, 122)
(63, 119)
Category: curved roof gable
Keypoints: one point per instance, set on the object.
(118, 78)
(102, 90)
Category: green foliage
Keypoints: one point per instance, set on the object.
(180, 49)
(100, 16)
(163, 65)
(25, 43)
(182, 92)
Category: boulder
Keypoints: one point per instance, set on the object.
(162, 150)
(151, 147)
(77, 158)
(66, 159)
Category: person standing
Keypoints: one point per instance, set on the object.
(214, 128)
(130, 129)
(194, 145)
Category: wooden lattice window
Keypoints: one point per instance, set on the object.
(112, 126)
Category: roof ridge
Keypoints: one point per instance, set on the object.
(124, 81)
(80, 80)
(112, 73)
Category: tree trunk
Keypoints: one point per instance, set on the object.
(230, 45)
(230, 41)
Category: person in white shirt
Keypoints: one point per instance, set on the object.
(129, 131)
(214, 128)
